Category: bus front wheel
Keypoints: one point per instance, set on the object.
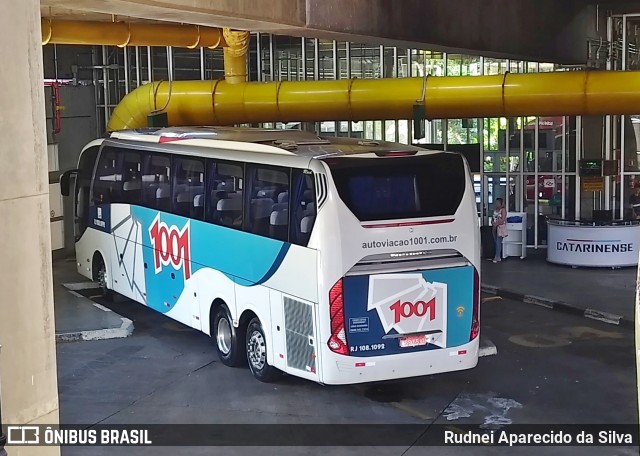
(257, 353)
(101, 278)
(226, 338)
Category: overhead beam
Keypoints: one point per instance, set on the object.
(538, 30)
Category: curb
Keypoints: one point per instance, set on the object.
(487, 348)
(593, 314)
(125, 330)
(77, 286)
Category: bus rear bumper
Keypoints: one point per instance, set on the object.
(343, 370)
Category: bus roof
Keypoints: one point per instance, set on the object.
(288, 142)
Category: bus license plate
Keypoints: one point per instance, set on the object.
(413, 341)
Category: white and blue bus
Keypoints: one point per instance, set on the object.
(336, 260)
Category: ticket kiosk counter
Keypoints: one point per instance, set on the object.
(593, 244)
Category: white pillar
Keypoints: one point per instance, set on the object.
(28, 384)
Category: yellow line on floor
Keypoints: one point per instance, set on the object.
(411, 411)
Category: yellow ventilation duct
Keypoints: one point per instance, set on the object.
(542, 94)
(235, 55)
(130, 34)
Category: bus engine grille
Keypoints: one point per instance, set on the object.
(298, 318)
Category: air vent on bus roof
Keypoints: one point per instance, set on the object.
(367, 142)
(286, 145)
(396, 153)
(290, 144)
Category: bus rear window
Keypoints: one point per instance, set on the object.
(400, 187)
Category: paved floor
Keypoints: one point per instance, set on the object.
(602, 289)
(564, 369)
(79, 318)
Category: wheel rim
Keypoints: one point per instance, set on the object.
(256, 350)
(102, 277)
(223, 336)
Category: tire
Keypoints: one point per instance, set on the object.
(257, 353)
(101, 276)
(225, 336)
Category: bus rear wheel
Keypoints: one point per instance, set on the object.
(257, 353)
(226, 338)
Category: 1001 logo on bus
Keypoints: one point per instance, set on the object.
(408, 309)
(171, 246)
(407, 303)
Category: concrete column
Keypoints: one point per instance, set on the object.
(28, 384)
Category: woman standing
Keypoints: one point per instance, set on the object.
(499, 227)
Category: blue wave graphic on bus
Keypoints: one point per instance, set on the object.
(366, 331)
(176, 247)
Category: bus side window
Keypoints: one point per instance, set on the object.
(264, 215)
(156, 183)
(224, 194)
(131, 178)
(188, 187)
(303, 206)
(83, 186)
(108, 178)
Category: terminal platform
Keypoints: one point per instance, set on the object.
(603, 294)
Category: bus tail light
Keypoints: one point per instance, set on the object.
(475, 320)
(338, 340)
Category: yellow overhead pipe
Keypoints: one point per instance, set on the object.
(235, 55)
(507, 95)
(130, 34)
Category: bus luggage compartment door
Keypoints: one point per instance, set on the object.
(407, 312)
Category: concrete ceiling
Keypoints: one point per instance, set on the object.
(543, 30)
(240, 14)
(78, 15)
